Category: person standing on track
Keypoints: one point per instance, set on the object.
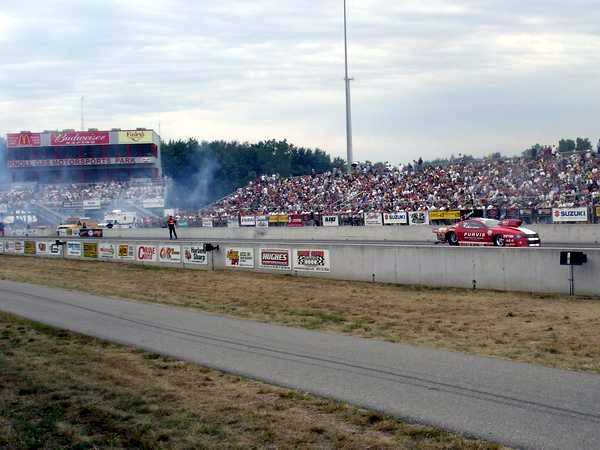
(171, 222)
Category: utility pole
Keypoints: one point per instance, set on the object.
(82, 121)
(349, 155)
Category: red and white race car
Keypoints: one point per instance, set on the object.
(488, 232)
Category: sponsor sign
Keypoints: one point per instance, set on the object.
(233, 223)
(154, 203)
(275, 258)
(80, 138)
(9, 247)
(53, 249)
(169, 253)
(295, 221)
(373, 219)
(331, 221)
(90, 232)
(395, 218)
(195, 254)
(107, 250)
(42, 248)
(92, 204)
(135, 137)
(90, 250)
(248, 221)
(73, 248)
(21, 140)
(126, 251)
(312, 260)
(239, 257)
(418, 218)
(262, 221)
(444, 215)
(207, 222)
(147, 253)
(19, 247)
(597, 211)
(569, 215)
(71, 162)
(1, 246)
(29, 248)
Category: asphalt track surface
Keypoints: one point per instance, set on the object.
(519, 405)
(327, 243)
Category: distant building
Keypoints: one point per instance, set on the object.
(83, 156)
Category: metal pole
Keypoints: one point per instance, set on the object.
(349, 155)
(82, 121)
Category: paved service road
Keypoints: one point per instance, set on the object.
(519, 405)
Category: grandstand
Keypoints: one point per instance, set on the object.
(57, 174)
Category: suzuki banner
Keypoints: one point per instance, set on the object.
(395, 218)
(275, 258)
(23, 140)
(569, 215)
(80, 138)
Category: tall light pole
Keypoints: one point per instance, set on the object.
(349, 156)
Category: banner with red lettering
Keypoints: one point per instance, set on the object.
(16, 140)
(80, 138)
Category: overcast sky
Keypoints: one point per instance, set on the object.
(432, 77)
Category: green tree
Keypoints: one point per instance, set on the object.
(583, 145)
(566, 146)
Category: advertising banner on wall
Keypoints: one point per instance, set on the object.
(23, 140)
(107, 250)
(9, 247)
(207, 222)
(195, 254)
(42, 248)
(135, 137)
(295, 220)
(90, 250)
(560, 215)
(597, 211)
(92, 204)
(233, 222)
(126, 252)
(418, 218)
(80, 138)
(239, 257)
(53, 249)
(262, 221)
(72, 162)
(373, 219)
(73, 248)
(444, 215)
(331, 221)
(1, 246)
(275, 258)
(19, 247)
(312, 260)
(248, 221)
(169, 253)
(29, 248)
(147, 253)
(395, 218)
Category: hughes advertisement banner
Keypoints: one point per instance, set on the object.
(275, 258)
(135, 137)
(80, 138)
(23, 140)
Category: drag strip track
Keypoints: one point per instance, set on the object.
(328, 242)
(520, 405)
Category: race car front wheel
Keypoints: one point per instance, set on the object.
(452, 239)
(499, 241)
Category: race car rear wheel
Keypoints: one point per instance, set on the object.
(452, 239)
(499, 241)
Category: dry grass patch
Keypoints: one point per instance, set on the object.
(551, 330)
(63, 390)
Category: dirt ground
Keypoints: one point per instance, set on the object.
(550, 330)
(63, 390)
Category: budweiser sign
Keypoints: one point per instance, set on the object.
(15, 140)
(80, 138)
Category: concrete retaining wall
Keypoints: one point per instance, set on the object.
(551, 234)
(530, 270)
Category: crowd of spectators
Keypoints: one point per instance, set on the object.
(68, 193)
(550, 180)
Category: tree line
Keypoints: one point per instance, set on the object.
(203, 172)
(564, 146)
